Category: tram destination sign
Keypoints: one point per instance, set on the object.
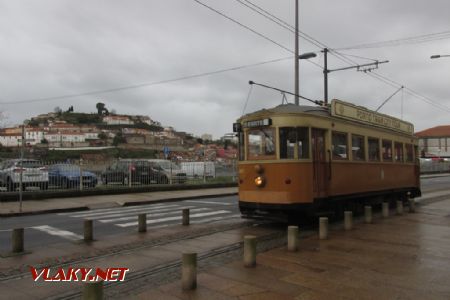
(357, 113)
(258, 123)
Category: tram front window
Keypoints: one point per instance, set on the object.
(261, 143)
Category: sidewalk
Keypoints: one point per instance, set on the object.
(104, 201)
(402, 257)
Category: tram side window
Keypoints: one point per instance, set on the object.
(398, 147)
(261, 143)
(387, 150)
(292, 140)
(339, 145)
(409, 153)
(303, 142)
(374, 149)
(358, 150)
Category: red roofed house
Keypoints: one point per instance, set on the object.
(434, 142)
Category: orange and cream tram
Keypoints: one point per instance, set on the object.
(296, 159)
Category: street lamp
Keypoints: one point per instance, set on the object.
(439, 56)
(307, 55)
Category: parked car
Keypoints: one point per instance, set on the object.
(132, 170)
(68, 176)
(34, 174)
(171, 170)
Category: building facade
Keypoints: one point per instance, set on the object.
(434, 142)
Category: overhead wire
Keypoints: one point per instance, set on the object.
(141, 85)
(286, 25)
(398, 42)
(252, 30)
(349, 61)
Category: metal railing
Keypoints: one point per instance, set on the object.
(434, 166)
(33, 175)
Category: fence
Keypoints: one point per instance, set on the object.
(29, 175)
(428, 166)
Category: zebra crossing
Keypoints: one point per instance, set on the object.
(160, 215)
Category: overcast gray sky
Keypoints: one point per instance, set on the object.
(52, 48)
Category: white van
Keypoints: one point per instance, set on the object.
(173, 172)
(199, 169)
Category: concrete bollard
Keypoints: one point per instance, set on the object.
(368, 214)
(142, 222)
(399, 207)
(186, 216)
(412, 205)
(18, 240)
(292, 238)
(88, 231)
(93, 290)
(189, 271)
(323, 228)
(348, 220)
(385, 209)
(249, 251)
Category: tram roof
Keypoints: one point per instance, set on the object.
(292, 108)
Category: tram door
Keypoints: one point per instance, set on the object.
(319, 162)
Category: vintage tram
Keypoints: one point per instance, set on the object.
(314, 159)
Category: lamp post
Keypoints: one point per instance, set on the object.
(439, 56)
(306, 55)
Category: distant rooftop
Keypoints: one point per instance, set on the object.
(438, 131)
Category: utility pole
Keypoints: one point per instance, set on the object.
(325, 77)
(297, 102)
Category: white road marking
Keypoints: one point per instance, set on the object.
(135, 212)
(176, 218)
(115, 210)
(209, 202)
(58, 232)
(150, 215)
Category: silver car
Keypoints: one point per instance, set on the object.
(34, 174)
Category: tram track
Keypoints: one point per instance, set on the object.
(170, 271)
(23, 270)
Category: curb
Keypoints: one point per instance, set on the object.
(45, 211)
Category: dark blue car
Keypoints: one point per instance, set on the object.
(68, 176)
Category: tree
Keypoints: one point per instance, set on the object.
(103, 136)
(101, 109)
(119, 139)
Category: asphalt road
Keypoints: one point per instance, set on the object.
(59, 227)
(68, 227)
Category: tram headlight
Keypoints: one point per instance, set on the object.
(260, 181)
